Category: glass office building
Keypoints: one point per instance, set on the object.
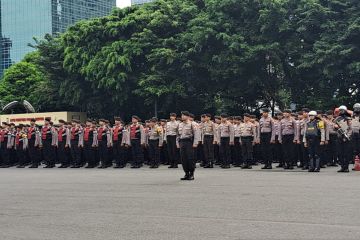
(136, 2)
(22, 20)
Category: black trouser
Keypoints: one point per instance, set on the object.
(164, 156)
(208, 148)
(62, 156)
(257, 154)
(171, 149)
(331, 150)
(104, 153)
(137, 155)
(322, 155)
(224, 151)
(356, 143)
(48, 153)
(199, 153)
(154, 152)
(314, 151)
(13, 159)
(305, 153)
(90, 154)
(187, 155)
(21, 155)
(5, 154)
(34, 153)
(247, 150)
(288, 149)
(265, 141)
(75, 153)
(344, 150)
(277, 152)
(238, 160)
(119, 153)
(217, 154)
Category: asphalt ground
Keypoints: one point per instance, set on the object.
(66, 204)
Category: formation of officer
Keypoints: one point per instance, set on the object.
(309, 140)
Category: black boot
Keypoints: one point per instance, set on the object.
(186, 177)
(191, 177)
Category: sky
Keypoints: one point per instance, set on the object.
(123, 3)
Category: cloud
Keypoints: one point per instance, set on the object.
(123, 3)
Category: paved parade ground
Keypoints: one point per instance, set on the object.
(66, 204)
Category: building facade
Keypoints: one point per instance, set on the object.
(137, 2)
(22, 20)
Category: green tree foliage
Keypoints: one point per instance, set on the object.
(201, 55)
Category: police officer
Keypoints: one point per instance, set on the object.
(33, 144)
(21, 144)
(344, 147)
(170, 136)
(187, 140)
(47, 143)
(118, 143)
(5, 154)
(288, 138)
(277, 148)
(355, 124)
(304, 163)
(76, 135)
(217, 121)
(104, 143)
(63, 143)
(136, 138)
(208, 140)
(225, 138)
(155, 142)
(238, 161)
(247, 141)
(314, 137)
(90, 143)
(331, 137)
(266, 124)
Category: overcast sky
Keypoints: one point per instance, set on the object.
(123, 3)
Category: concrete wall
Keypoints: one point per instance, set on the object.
(40, 117)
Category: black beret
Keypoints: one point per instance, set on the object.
(329, 112)
(247, 115)
(185, 113)
(265, 110)
(136, 117)
(117, 119)
(154, 119)
(224, 115)
(172, 114)
(305, 110)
